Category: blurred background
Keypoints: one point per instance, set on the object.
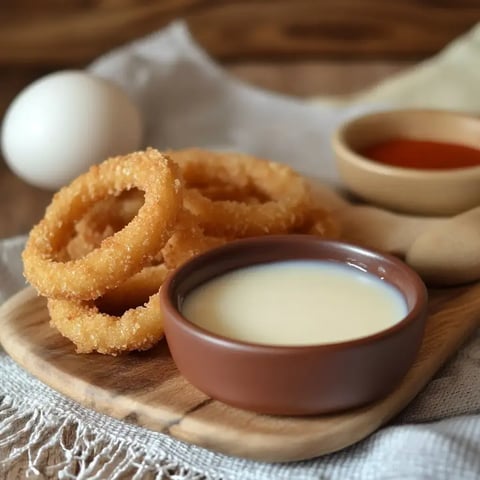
(297, 47)
(38, 36)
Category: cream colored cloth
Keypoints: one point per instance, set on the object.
(187, 99)
(449, 80)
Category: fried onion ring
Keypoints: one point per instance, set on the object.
(284, 194)
(120, 255)
(187, 241)
(134, 291)
(124, 319)
(103, 220)
(93, 331)
(320, 223)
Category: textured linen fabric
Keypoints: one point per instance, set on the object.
(187, 100)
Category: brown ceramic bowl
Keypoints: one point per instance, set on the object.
(417, 191)
(297, 380)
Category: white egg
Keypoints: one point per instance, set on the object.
(63, 123)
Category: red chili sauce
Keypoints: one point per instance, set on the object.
(422, 154)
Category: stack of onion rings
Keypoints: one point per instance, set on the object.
(72, 285)
(109, 239)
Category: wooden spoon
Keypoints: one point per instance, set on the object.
(445, 251)
(448, 253)
(380, 229)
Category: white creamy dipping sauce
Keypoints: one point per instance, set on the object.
(295, 302)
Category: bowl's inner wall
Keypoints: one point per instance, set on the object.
(418, 125)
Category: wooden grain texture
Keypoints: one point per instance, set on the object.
(56, 32)
(146, 389)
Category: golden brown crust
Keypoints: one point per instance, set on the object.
(120, 255)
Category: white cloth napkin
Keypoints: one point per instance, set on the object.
(188, 100)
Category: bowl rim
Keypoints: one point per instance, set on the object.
(341, 146)
(167, 292)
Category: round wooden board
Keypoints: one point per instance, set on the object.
(146, 388)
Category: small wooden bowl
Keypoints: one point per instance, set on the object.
(417, 191)
(297, 380)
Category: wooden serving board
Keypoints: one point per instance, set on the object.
(146, 388)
